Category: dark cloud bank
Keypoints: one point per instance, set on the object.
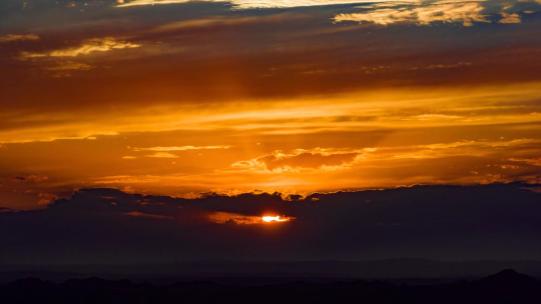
(106, 226)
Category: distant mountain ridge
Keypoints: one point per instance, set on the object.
(507, 286)
(390, 269)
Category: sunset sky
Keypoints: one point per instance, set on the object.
(179, 97)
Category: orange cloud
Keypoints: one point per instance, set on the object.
(241, 219)
(182, 148)
(46, 198)
(162, 155)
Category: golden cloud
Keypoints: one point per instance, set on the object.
(247, 4)
(18, 37)
(97, 45)
(510, 18)
(421, 13)
(317, 158)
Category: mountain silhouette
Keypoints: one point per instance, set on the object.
(507, 277)
(507, 286)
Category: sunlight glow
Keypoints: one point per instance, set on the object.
(274, 219)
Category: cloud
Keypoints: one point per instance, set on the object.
(166, 151)
(477, 148)
(221, 217)
(109, 226)
(32, 178)
(97, 45)
(162, 155)
(303, 171)
(377, 109)
(18, 37)
(233, 218)
(247, 4)
(534, 161)
(420, 13)
(59, 62)
(66, 68)
(317, 158)
(204, 23)
(510, 18)
(46, 198)
(144, 215)
(128, 3)
(222, 22)
(443, 66)
(182, 148)
(29, 191)
(324, 159)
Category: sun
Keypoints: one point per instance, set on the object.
(274, 219)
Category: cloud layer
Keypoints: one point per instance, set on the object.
(442, 222)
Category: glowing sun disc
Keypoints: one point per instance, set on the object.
(274, 219)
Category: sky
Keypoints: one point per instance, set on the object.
(180, 98)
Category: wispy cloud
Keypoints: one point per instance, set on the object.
(167, 151)
(66, 68)
(247, 4)
(145, 215)
(421, 13)
(400, 109)
(222, 21)
(88, 47)
(18, 37)
(181, 148)
(162, 155)
(128, 3)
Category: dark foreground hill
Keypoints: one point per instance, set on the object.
(506, 286)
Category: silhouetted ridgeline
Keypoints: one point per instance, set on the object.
(507, 286)
(419, 270)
